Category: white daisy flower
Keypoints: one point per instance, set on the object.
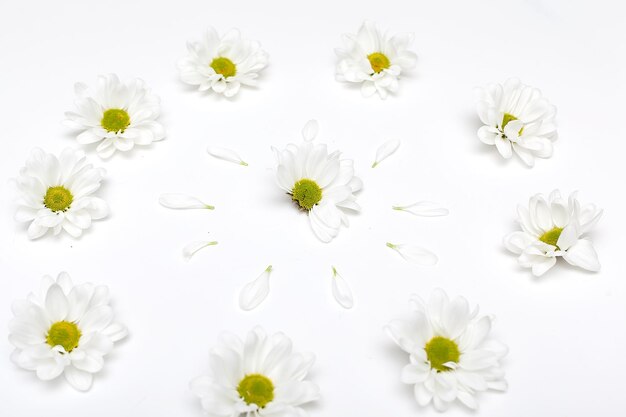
(321, 184)
(553, 227)
(260, 376)
(516, 118)
(224, 63)
(451, 356)
(64, 329)
(374, 60)
(57, 193)
(116, 115)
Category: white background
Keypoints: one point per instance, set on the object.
(565, 331)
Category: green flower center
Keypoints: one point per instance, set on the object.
(224, 66)
(506, 119)
(440, 350)
(58, 198)
(256, 389)
(307, 193)
(115, 120)
(551, 236)
(378, 61)
(63, 333)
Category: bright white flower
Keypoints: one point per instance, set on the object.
(57, 193)
(374, 60)
(223, 63)
(517, 118)
(321, 184)
(451, 356)
(342, 291)
(64, 329)
(414, 254)
(261, 376)
(117, 115)
(553, 227)
(254, 292)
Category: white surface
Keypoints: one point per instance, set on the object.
(565, 331)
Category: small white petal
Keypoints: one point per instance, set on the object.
(386, 150)
(182, 201)
(193, 247)
(253, 293)
(424, 209)
(309, 132)
(226, 155)
(415, 254)
(342, 291)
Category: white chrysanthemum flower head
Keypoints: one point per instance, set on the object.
(260, 376)
(553, 227)
(374, 60)
(117, 115)
(223, 63)
(319, 183)
(57, 193)
(451, 355)
(64, 329)
(517, 118)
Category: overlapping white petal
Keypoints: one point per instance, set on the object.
(478, 367)
(270, 356)
(133, 97)
(247, 57)
(553, 227)
(254, 292)
(71, 171)
(380, 76)
(517, 119)
(84, 305)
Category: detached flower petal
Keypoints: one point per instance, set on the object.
(255, 291)
(342, 291)
(424, 209)
(385, 151)
(226, 155)
(182, 201)
(193, 247)
(415, 254)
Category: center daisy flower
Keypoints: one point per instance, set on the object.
(517, 118)
(319, 183)
(553, 227)
(64, 329)
(258, 377)
(450, 354)
(374, 60)
(56, 193)
(116, 115)
(222, 64)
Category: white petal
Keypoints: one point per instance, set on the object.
(182, 201)
(193, 247)
(81, 380)
(342, 291)
(386, 150)
(226, 155)
(56, 303)
(253, 293)
(424, 209)
(583, 255)
(516, 242)
(309, 132)
(415, 254)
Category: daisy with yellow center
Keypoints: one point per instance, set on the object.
(320, 184)
(374, 60)
(451, 356)
(64, 329)
(553, 227)
(222, 63)
(57, 194)
(256, 377)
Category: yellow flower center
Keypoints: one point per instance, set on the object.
(307, 193)
(58, 198)
(256, 389)
(440, 350)
(224, 66)
(63, 333)
(378, 61)
(551, 236)
(115, 120)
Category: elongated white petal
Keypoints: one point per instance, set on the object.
(309, 132)
(386, 150)
(226, 154)
(424, 209)
(193, 247)
(255, 291)
(182, 201)
(342, 291)
(415, 254)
